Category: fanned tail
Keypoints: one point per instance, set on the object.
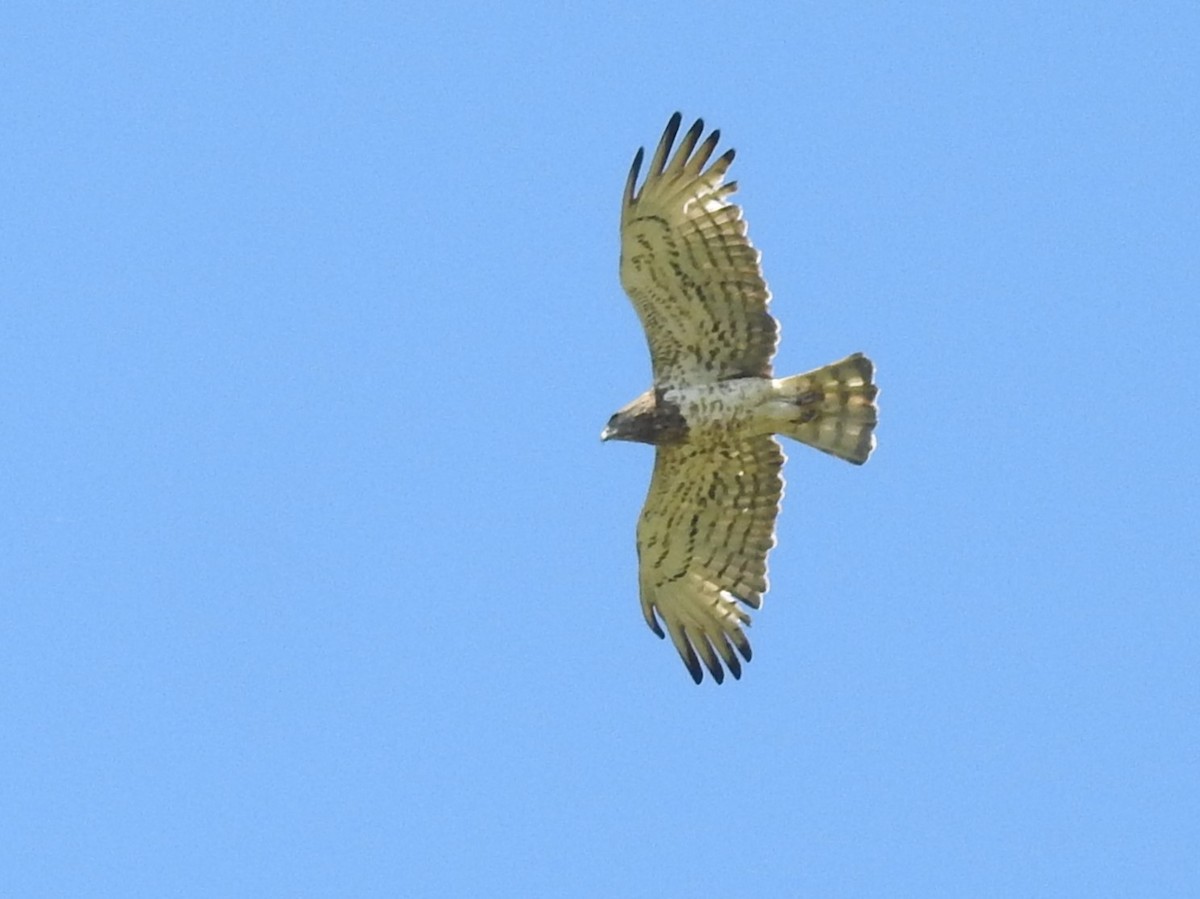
(834, 408)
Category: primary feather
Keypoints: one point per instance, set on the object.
(709, 518)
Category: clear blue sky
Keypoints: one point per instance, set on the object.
(317, 581)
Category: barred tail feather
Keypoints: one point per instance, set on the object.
(833, 408)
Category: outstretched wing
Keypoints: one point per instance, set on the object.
(703, 539)
(689, 268)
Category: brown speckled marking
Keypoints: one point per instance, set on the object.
(709, 519)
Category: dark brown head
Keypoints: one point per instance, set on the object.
(648, 419)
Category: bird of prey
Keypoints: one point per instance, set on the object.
(714, 408)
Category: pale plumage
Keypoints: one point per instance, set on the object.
(689, 269)
(709, 519)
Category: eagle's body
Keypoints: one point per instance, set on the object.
(709, 520)
(698, 412)
(714, 410)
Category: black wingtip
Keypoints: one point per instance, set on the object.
(631, 181)
(743, 645)
(659, 163)
(709, 655)
(692, 664)
(731, 660)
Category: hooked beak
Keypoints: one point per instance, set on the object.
(607, 433)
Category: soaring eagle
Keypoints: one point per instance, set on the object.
(709, 519)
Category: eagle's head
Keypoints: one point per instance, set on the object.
(619, 427)
(648, 419)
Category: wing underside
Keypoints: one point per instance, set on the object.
(689, 268)
(703, 539)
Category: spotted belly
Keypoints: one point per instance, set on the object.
(712, 409)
